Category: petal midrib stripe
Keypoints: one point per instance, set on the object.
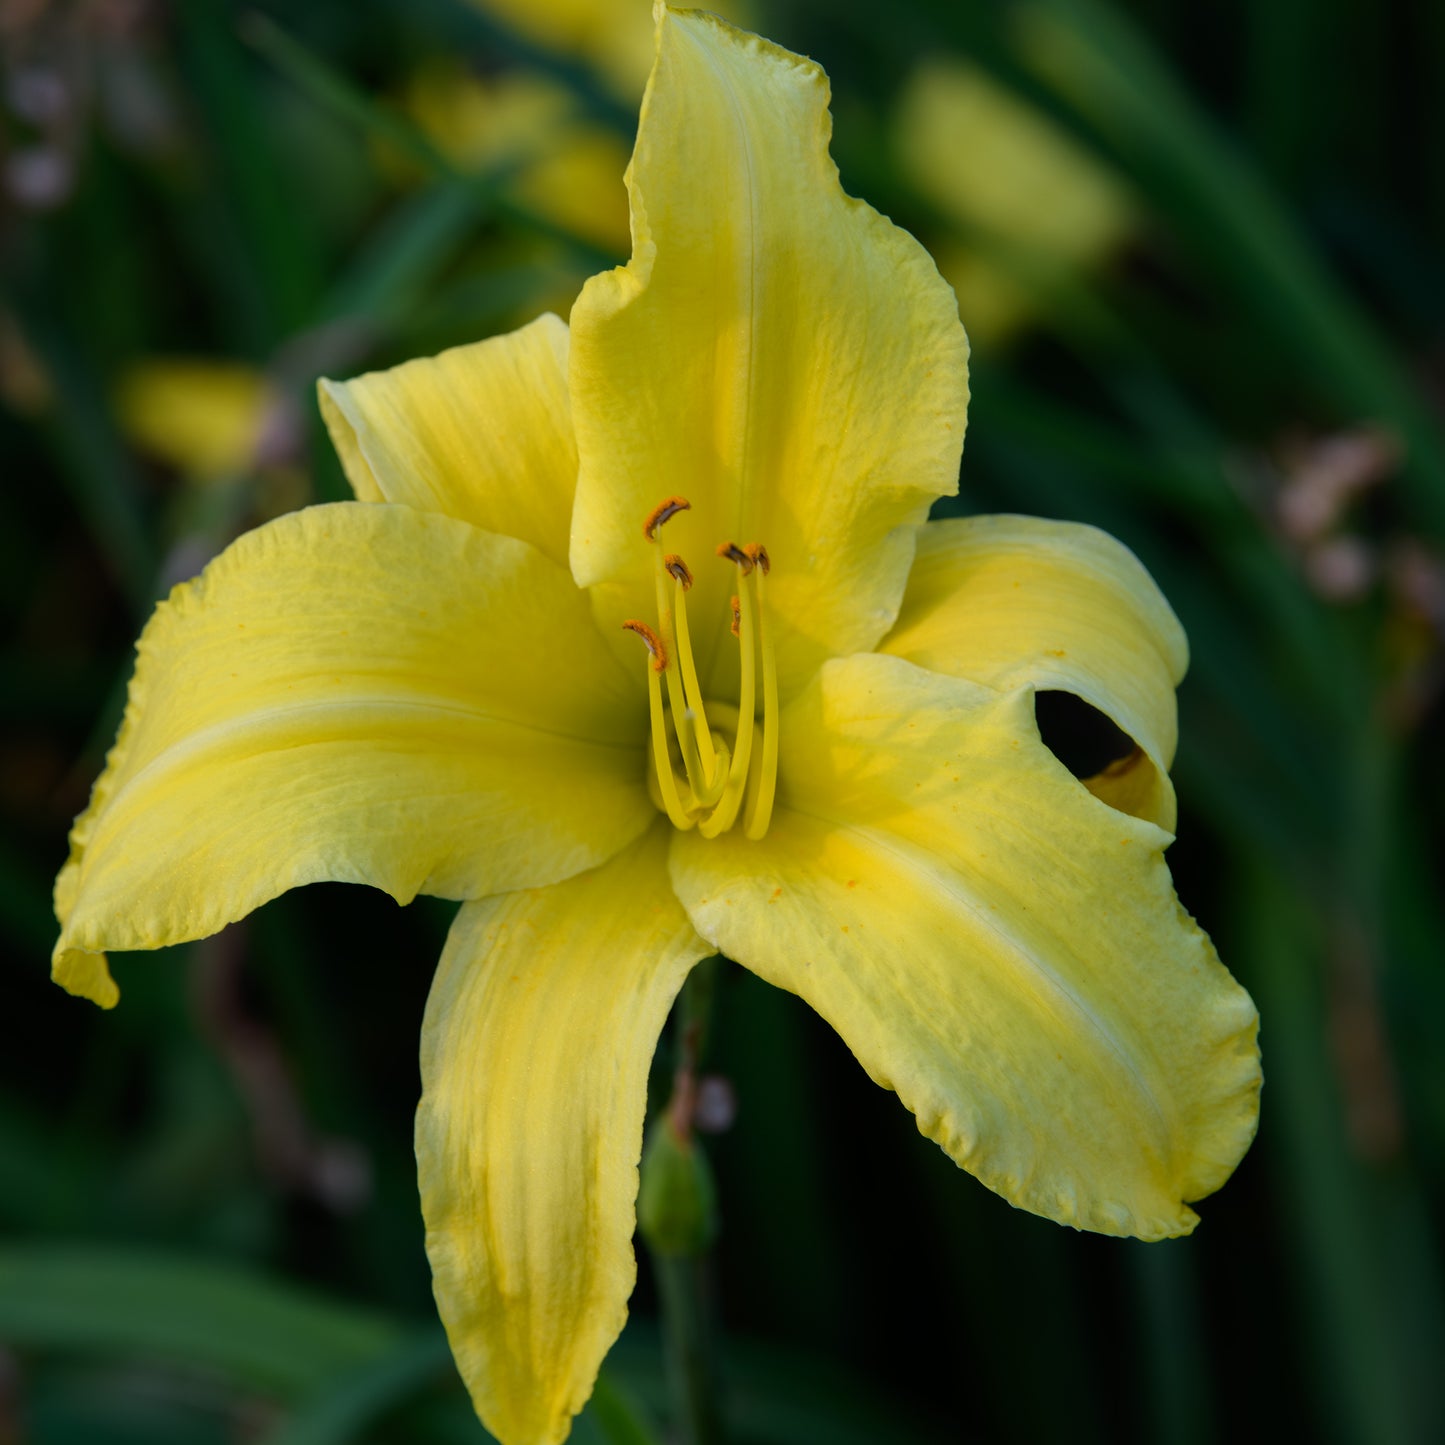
(256, 724)
(950, 882)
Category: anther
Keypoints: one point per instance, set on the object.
(733, 553)
(756, 552)
(679, 569)
(737, 606)
(653, 641)
(670, 507)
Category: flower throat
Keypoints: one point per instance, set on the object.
(717, 782)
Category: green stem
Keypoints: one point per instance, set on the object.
(682, 1279)
(682, 1286)
(694, 1013)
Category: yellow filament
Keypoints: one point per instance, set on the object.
(662, 764)
(686, 734)
(760, 796)
(720, 776)
(714, 775)
(726, 812)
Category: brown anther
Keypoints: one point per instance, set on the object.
(733, 553)
(653, 641)
(679, 569)
(737, 607)
(759, 554)
(661, 512)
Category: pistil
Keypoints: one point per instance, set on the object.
(725, 815)
(760, 803)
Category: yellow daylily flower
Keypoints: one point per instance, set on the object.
(997, 166)
(637, 641)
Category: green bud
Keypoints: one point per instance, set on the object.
(677, 1203)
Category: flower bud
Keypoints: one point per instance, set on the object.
(677, 1203)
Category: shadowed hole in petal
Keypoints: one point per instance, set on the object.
(1079, 735)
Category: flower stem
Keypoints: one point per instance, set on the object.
(680, 1229)
(682, 1286)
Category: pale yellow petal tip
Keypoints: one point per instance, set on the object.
(1225, 1141)
(86, 975)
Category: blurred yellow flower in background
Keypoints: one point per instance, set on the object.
(203, 417)
(560, 162)
(612, 37)
(1031, 203)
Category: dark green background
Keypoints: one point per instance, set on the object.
(207, 1197)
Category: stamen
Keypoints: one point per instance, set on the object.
(653, 641)
(719, 780)
(733, 553)
(707, 787)
(726, 812)
(687, 735)
(665, 509)
(661, 763)
(760, 797)
(706, 776)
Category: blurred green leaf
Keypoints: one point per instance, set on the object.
(336, 93)
(390, 275)
(1363, 1382)
(341, 1411)
(92, 459)
(618, 1416)
(129, 1303)
(1090, 54)
(279, 248)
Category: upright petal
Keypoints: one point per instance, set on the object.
(534, 1055)
(775, 351)
(480, 432)
(993, 943)
(368, 694)
(1010, 601)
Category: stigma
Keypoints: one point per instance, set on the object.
(718, 784)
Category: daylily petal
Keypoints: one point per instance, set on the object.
(368, 694)
(1010, 600)
(480, 432)
(775, 351)
(994, 944)
(539, 1031)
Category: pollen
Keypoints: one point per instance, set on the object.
(758, 554)
(653, 641)
(677, 568)
(737, 608)
(731, 552)
(664, 510)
